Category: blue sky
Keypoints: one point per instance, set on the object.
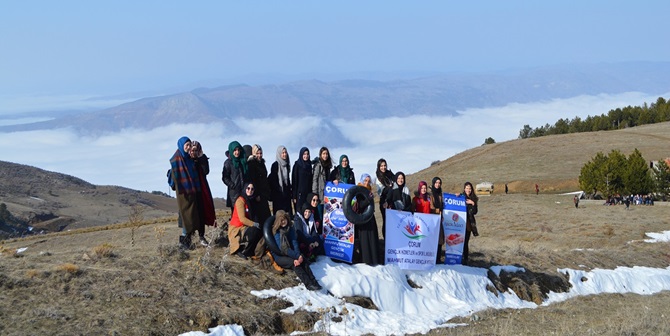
(108, 47)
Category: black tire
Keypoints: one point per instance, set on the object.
(351, 215)
(269, 237)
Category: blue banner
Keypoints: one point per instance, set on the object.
(338, 233)
(453, 222)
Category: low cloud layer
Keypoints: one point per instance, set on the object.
(138, 159)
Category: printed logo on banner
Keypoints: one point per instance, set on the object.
(413, 228)
(453, 223)
(338, 233)
(411, 239)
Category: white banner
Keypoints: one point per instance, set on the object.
(411, 239)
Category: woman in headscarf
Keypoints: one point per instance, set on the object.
(280, 182)
(244, 232)
(309, 232)
(438, 204)
(399, 198)
(422, 202)
(187, 187)
(316, 206)
(301, 178)
(321, 171)
(366, 235)
(235, 171)
(471, 200)
(384, 183)
(205, 196)
(290, 256)
(258, 173)
(343, 172)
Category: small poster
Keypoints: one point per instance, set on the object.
(453, 223)
(338, 232)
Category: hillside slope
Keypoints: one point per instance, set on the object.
(50, 201)
(554, 162)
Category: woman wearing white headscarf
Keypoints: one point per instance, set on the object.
(280, 182)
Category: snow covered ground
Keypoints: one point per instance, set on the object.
(446, 292)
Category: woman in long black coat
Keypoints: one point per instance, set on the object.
(280, 182)
(302, 178)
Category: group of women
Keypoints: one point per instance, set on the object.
(295, 193)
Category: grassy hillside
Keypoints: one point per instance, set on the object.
(131, 279)
(553, 162)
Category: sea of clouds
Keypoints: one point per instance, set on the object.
(138, 159)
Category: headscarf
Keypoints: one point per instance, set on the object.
(237, 161)
(344, 172)
(424, 196)
(395, 180)
(437, 193)
(183, 168)
(284, 167)
(198, 148)
(304, 165)
(309, 200)
(254, 149)
(385, 178)
(283, 243)
(360, 182)
(281, 214)
(249, 200)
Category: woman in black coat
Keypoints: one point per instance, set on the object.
(280, 183)
(471, 200)
(302, 178)
(399, 198)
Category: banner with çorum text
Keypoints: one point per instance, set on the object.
(411, 239)
(453, 222)
(338, 232)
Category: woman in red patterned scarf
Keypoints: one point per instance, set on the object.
(188, 187)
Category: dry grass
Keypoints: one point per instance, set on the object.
(104, 250)
(156, 288)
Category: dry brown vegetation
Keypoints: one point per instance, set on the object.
(61, 286)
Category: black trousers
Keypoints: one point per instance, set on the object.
(303, 271)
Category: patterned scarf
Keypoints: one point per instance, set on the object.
(185, 175)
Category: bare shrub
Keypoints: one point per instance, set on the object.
(609, 231)
(68, 268)
(135, 218)
(104, 250)
(32, 273)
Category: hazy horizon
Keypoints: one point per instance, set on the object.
(138, 159)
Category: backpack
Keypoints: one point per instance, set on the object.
(169, 179)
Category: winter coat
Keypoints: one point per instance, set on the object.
(301, 180)
(319, 178)
(402, 198)
(234, 179)
(281, 197)
(292, 239)
(335, 175)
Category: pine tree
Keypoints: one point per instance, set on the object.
(637, 178)
(662, 178)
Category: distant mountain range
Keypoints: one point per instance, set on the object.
(364, 99)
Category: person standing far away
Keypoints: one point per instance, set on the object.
(258, 173)
(576, 201)
(235, 171)
(537, 189)
(301, 178)
(506, 190)
(384, 183)
(187, 188)
(280, 182)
